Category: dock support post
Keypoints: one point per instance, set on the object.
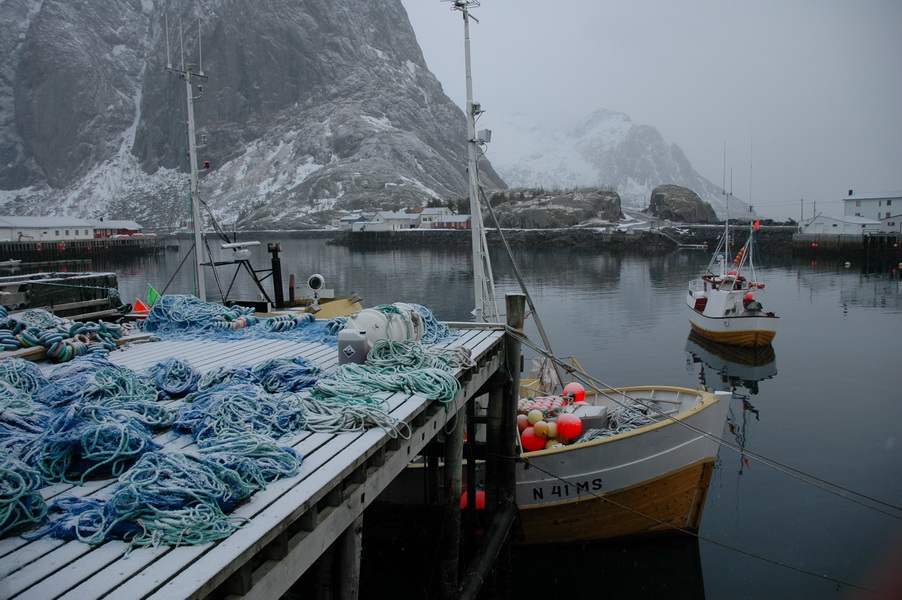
(450, 541)
(349, 551)
(501, 453)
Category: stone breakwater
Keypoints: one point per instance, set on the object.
(638, 240)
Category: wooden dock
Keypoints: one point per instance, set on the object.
(292, 522)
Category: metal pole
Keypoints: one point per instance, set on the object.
(197, 222)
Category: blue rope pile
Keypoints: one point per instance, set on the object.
(238, 409)
(62, 339)
(166, 498)
(173, 378)
(187, 317)
(287, 374)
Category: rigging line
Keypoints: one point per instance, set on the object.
(215, 272)
(519, 276)
(216, 226)
(710, 540)
(177, 269)
(784, 468)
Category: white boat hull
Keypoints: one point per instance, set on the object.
(726, 317)
(649, 480)
(745, 331)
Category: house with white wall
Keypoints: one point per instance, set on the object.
(44, 229)
(876, 206)
(388, 221)
(845, 225)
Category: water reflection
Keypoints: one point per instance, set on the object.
(735, 370)
(730, 368)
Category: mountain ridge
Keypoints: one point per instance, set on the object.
(604, 149)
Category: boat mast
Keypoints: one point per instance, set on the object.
(484, 285)
(187, 74)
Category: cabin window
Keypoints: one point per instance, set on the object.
(889, 202)
(834, 225)
(857, 203)
(56, 232)
(67, 232)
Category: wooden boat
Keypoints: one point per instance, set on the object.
(722, 303)
(648, 480)
(582, 480)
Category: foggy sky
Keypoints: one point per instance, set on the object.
(806, 95)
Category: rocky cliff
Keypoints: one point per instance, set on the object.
(679, 204)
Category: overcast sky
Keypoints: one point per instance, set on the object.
(805, 94)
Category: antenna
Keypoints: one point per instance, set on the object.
(200, 55)
(168, 61)
(723, 185)
(751, 148)
(187, 75)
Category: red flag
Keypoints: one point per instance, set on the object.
(757, 223)
(140, 307)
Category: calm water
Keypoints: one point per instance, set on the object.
(827, 402)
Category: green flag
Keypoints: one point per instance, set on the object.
(152, 295)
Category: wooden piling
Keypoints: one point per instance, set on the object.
(450, 541)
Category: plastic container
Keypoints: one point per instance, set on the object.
(352, 346)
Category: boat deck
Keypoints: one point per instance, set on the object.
(292, 522)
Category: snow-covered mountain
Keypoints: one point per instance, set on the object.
(605, 149)
(308, 108)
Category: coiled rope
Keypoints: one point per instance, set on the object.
(21, 503)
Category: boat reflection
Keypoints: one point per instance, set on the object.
(736, 370)
(730, 368)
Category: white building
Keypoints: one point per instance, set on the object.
(892, 224)
(44, 229)
(429, 216)
(388, 221)
(346, 223)
(846, 225)
(876, 206)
